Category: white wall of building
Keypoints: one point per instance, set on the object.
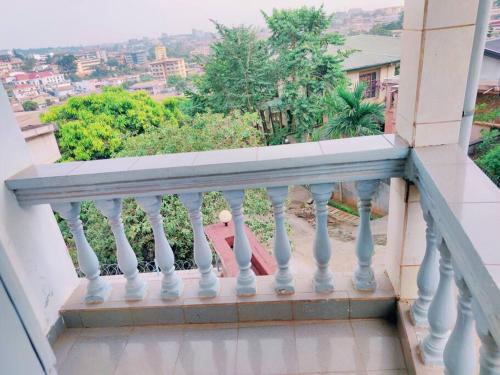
(490, 69)
(30, 237)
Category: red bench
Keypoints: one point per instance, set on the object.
(222, 238)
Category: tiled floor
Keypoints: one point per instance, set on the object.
(369, 347)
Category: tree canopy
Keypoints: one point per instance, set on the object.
(95, 126)
(238, 72)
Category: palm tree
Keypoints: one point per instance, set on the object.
(350, 115)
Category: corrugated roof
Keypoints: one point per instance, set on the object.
(492, 48)
(372, 50)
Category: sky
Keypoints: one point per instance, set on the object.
(52, 23)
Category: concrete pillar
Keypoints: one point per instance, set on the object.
(437, 44)
(30, 240)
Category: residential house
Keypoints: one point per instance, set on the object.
(152, 87)
(490, 68)
(374, 59)
(25, 91)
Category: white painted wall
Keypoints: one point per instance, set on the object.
(490, 69)
(30, 237)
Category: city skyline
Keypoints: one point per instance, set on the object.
(58, 23)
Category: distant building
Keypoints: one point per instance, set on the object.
(136, 58)
(490, 68)
(162, 69)
(160, 52)
(44, 80)
(86, 65)
(25, 91)
(375, 59)
(152, 87)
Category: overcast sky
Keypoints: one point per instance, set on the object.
(50, 23)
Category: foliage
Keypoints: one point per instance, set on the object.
(350, 115)
(204, 132)
(305, 69)
(28, 64)
(488, 154)
(30, 105)
(94, 126)
(238, 74)
(178, 82)
(67, 64)
(486, 114)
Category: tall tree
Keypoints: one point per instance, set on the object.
(238, 72)
(307, 71)
(350, 115)
(67, 64)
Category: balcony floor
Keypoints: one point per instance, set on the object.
(369, 347)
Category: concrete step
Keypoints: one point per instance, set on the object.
(344, 303)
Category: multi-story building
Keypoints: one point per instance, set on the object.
(86, 65)
(42, 80)
(136, 57)
(162, 69)
(160, 52)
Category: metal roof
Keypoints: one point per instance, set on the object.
(371, 50)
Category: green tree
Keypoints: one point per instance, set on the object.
(94, 126)
(67, 64)
(387, 28)
(28, 64)
(238, 73)
(488, 154)
(204, 132)
(179, 83)
(351, 116)
(306, 70)
(30, 105)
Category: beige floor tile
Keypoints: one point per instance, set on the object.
(207, 351)
(151, 350)
(64, 344)
(266, 350)
(379, 344)
(95, 353)
(327, 347)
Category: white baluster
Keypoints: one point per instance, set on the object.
(323, 278)
(171, 285)
(428, 273)
(489, 353)
(98, 290)
(282, 250)
(245, 282)
(460, 353)
(441, 312)
(363, 278)
(135, 288)
(209, 283)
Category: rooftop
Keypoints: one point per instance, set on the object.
(371, 50)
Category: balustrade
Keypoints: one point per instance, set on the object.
(135, 288)
(282, 248)
(171, 286)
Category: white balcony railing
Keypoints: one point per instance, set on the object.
(464, 252)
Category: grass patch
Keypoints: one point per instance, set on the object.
(350, 210)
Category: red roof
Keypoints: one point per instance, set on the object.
(33, 75)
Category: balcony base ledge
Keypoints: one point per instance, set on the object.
(344, 303)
